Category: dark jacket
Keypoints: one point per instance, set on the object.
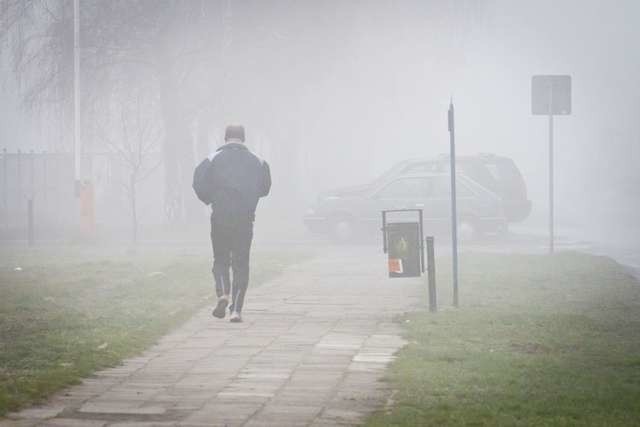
(238, 179)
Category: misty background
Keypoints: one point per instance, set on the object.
(331, 93)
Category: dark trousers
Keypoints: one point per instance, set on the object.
(231, 242)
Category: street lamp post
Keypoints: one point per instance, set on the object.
(76, 95)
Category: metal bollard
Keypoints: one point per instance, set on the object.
(431, 274)
(30, 231)
(5, 197)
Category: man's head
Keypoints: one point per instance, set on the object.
(234, 134)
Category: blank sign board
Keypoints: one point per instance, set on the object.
(551, 95)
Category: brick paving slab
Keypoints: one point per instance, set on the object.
(72, 422)
(314, 345)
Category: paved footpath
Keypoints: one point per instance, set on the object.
(313, 347)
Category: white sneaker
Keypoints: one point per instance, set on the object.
(235, 317)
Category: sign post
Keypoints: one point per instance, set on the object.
(551, 191)
(551, 95)
(454, 212)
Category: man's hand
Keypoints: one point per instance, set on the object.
(265, 186)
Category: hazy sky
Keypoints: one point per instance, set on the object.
(360, 85)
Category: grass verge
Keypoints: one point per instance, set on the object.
(538, 340)
(67, 313)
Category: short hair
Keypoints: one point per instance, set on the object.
(234, 132)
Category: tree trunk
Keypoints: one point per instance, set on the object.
(134, 209)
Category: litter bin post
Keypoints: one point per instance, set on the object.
(431, 275)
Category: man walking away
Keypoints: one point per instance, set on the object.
(236, 179)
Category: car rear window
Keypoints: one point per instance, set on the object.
(508, 176)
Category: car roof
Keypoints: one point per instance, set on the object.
(427, 174)
(459, 175)
(445, 157)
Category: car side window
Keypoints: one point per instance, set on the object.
(442, 188)
(405, 188)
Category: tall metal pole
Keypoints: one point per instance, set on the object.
(227, 44)
(551, 213)
(454, 212)
(76, 93)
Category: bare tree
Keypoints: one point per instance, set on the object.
(135, 136)
(165, 39)
(209, 60)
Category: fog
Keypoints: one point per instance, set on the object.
(125, 299)
(332, 94)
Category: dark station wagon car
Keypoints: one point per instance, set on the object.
(344, 216)
(496, 173)
(490, 193)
